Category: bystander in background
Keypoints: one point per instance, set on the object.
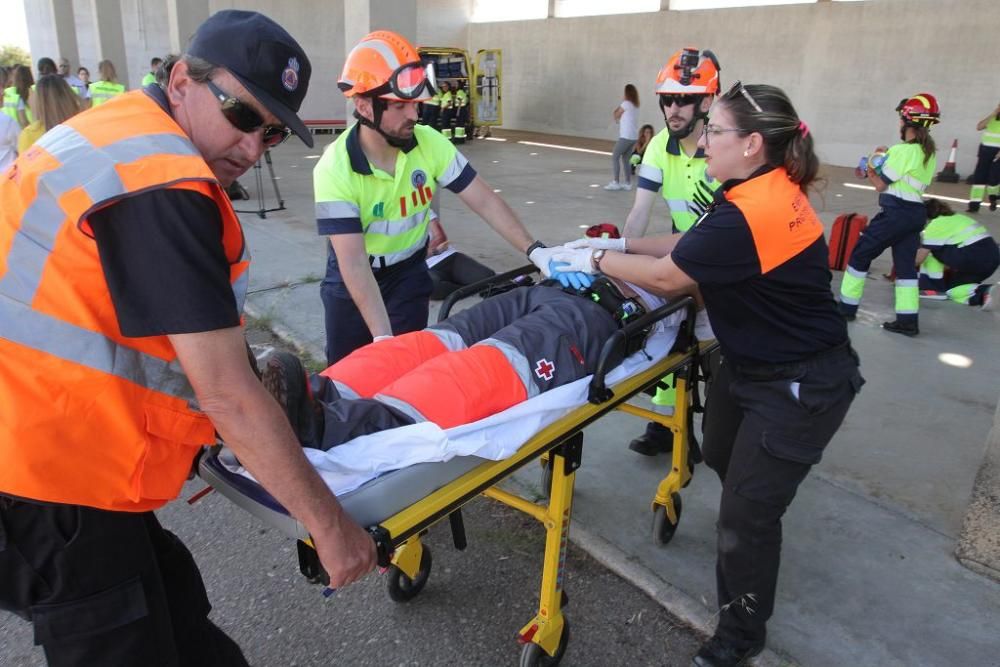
(52, 102)
(626, 115)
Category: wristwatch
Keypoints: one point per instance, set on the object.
(534, 246)
(595, 259)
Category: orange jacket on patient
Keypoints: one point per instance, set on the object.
(481, 361)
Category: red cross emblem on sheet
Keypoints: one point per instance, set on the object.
(545, 369)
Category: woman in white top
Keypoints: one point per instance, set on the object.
(626, 115)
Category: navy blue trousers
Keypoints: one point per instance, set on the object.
(406, 292)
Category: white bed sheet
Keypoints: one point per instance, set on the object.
(348, 466)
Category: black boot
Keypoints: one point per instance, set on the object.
(973, 207)
(718, 652)
(657, 438)
(286, 380)
(993, 202)
(906, 328)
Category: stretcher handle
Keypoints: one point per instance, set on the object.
(599, 392)
(468, 290)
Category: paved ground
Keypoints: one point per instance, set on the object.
(469, 613)
(868, 574)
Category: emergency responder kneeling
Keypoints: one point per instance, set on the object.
(686, 87)
(788, 374)
(373, 190)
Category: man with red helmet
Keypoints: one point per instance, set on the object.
(900, 181)
(686, 87)
(373, 190)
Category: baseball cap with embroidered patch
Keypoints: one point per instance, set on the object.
(263, 56)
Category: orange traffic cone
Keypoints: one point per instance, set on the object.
(948, 174)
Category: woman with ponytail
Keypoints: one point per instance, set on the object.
(900, 181)
(758, 259)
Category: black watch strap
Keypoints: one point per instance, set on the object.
(533, 247)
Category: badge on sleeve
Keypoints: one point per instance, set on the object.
(545, 369)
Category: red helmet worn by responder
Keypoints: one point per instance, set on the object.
(920, 110)
(687, 77)
(385, 66)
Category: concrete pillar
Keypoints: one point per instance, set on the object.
(65, 26)
(110, 36)
(363, 16)
(183, 18)
(52, 30)
(664, 5)
(552, 9)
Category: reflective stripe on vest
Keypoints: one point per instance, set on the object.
(408, 234)
(991, 136)
(102, 91)
(87, 415)
(905, 186)
(686, 188)
(958, 230)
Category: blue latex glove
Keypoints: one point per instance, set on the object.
(572, 279)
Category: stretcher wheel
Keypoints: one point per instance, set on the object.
(403, 589)
(533, 655)
(663, 530)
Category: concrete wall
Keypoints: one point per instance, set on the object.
(319, 28)
(845, 66)
(41, 31)
(86, 36)
(144, 23)
(443, 22)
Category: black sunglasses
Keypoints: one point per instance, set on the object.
(680, 99)
(738, 87)
(243, 117)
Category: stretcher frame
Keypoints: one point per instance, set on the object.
(559, 446)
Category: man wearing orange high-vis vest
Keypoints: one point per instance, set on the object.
(123, 270)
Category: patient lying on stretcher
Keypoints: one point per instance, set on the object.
(478, 362)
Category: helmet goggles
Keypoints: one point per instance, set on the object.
(409, 82)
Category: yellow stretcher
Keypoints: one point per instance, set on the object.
(439, 490)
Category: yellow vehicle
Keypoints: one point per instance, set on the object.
(481, 82)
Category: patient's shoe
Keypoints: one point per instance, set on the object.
(286, 380)
(657, 438)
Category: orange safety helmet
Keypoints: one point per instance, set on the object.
(689, 71)
(385, 64)
(920, 110)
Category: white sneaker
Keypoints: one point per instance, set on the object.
(626, 186)
(613, 185)
(991, 297)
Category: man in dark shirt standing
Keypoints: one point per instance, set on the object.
(122, 277)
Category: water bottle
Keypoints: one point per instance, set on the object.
(861, 171)
(876, 161)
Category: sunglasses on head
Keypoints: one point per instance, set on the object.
(243, 117)
(680, 99)
(738, 87)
